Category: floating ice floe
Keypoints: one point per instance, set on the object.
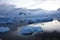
(4, 29)
(30, 30)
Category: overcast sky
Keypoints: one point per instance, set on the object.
(32, 4)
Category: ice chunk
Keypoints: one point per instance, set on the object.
(30, 30)
(26, 31)
(37, 29)
(4, 29)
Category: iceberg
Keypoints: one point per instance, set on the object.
(37, 20)
(4, 20)
(37, 29)
(4, 29)
(30, 30)
(26, 31)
